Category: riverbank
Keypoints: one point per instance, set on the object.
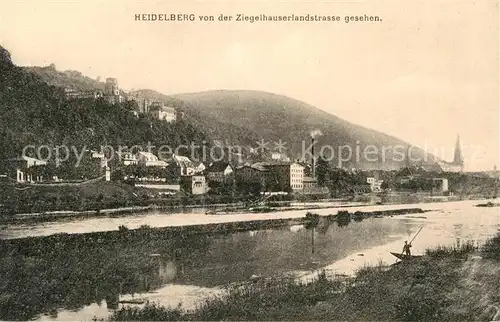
(342, 218)
(45, 202)
(194, 216)
(81, 269)
(47, 273)
(95, 199)
(448, 283)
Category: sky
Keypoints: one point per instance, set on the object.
(426, 73)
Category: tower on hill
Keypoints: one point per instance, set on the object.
(111, 87)
(458, 159)
(457, 165)
(112, 91)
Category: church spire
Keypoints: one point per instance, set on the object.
(458, 159)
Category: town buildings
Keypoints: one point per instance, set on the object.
(19, 168)
(156, 109)
(219, 171)
(150, 160)
(163, 113)
(309, 183)
(194, 184)
(375, 184)
(112, 92)
(72, 93)
(275, 176)
(127, 158)
(440, 185)
(186, 166)
(251, 173)
(457, 165)
(277, 156)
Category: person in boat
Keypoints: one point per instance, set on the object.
(406, 249)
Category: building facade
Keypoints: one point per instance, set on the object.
(195, 185)
(375, 184)
(71, 93)
(150, 160)
(283, 176)
(219, 171)
(18, 168)
(164, 113)
(187, 167)
(127, 158)
(112, 91)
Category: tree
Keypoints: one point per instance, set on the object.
(322, 171)
(251, 188)
(118, 174)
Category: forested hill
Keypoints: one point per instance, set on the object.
(33, 112)
(274, 117)
(69, 78)
(245, 117)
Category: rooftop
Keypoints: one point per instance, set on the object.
(218, 166)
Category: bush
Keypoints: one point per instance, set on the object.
(455, 251)
(150, 312)
(358, 216)
(313, 220)
(343, 218)
(491, 248)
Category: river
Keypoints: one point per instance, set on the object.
(91, 278)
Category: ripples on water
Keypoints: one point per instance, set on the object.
(78, 278)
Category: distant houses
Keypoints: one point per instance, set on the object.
(18, 168)
(155, 109)
(185, 165)
(194, 184)
(72, 93)
(218, 178)
(163, 113)
(275, 176)
(219, 171)
(112, 94)
(375, 184)
(150, 160)
(127, 158)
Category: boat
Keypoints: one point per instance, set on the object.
(404, 256)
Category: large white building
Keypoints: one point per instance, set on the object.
(296, 176)
(164, 113)
(289, 174)
(150, 160)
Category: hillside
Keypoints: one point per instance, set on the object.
(69, 78)
(274, 117)
(245, 117)
(35, 113)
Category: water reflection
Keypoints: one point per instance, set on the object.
(70, 272)
(74, 275)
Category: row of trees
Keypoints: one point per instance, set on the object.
(341, 182)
